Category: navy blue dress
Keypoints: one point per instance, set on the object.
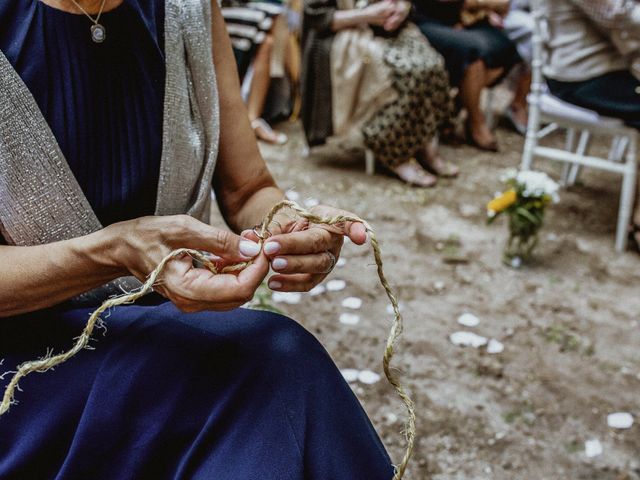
(240, 395)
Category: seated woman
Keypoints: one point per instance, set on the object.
(476, 56)
(390, 86)
(586, 66)
(108, 118)
(251, 28)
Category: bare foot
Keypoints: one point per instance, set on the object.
(412, 173)
(434, 163)
(480, 136)
(267, 134)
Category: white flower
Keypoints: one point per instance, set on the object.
(535, 184)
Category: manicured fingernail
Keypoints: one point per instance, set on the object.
(274, 284)
(279, 264)
(249, 248)
(271, 247)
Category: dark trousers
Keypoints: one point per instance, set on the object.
(615, 94)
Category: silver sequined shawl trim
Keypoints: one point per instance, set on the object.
(41, 201)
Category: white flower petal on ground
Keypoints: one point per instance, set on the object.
(336, 285)
(390, 308)
(352, 302)
(468, 320)
(620, 420)
(311, 202)
(292, 195)
(495, 346)
(291, 298)
(350, 374)
(317, 290)
(468, 339)
(349, 318)
(592, 448)
(341, 262)
(368, 377)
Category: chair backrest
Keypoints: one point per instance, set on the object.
(540, 32)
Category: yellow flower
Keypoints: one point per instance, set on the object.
(502, 202)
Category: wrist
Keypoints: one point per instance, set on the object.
(108, 249)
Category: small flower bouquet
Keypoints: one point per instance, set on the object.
(524, 202)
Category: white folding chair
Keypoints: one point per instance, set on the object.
(557, 114)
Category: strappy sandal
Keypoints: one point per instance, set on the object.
(413, 173)
(440, 168)
(264, 132)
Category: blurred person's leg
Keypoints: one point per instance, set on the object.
(475, 79)
(258, 94)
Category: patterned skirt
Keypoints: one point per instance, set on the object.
(404, 127)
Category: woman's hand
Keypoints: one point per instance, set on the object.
(302, 254)
(400, 14)
(379, 13)
(146, 241)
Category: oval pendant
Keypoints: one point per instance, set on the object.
(98, 33)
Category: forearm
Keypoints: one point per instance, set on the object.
(500, 6)
(348, 19)
(42, 276)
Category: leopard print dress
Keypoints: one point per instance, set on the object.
(404, 127)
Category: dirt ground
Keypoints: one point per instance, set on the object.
(569, 323)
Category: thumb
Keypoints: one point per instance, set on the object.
(223, 243)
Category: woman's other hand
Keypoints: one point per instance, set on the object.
(144, 242)
(302, 254)
(380, 12)
(400, 14)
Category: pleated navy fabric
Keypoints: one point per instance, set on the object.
(240, 395)
(103, 102)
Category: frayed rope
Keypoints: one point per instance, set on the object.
(50, 361)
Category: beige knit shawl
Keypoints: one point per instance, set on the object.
(41, 201)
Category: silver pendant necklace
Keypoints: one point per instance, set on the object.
(98, 32)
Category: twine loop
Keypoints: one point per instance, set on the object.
(49, 361)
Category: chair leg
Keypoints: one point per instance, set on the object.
(488, 111)
(583, 147)
(370, 162)
(569, 145)
(627, 195)
(531, 140)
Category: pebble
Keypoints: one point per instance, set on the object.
(349, 318)
(620, 420)
(350, 374)
(336, 285)
(468, 320)
(495, 346)
(439, 285)
(592, 448)
(368, 377)
(317, 290)
(291, 298)
(467, 339)
(352, 302)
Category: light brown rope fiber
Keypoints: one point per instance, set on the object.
(49, 361)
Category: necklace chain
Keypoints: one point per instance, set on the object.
(98, 32)
(94, 20)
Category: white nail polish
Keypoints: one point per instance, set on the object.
(279, 264)
(249, 248)
(274, 284)
(271, 247)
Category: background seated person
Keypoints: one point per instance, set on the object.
(390, 86)
(477, 55)
(585, 66)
